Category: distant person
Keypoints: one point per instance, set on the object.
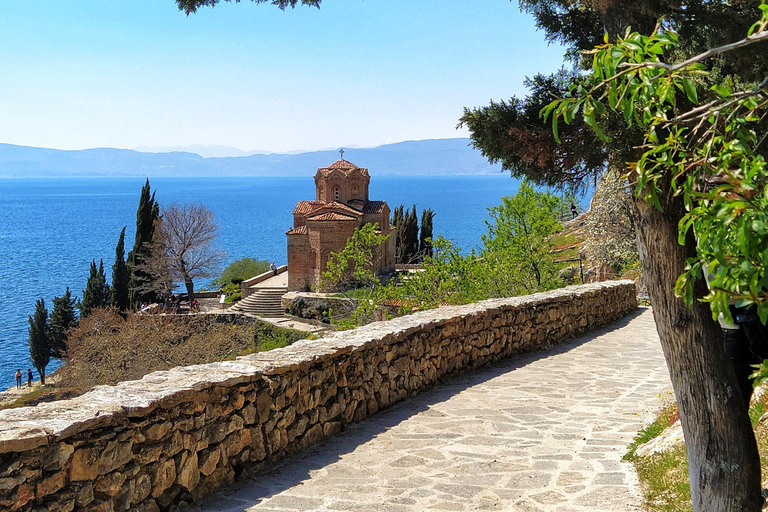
(273, 268)
(18, 378)
(29, 377)
(574, 211)
(222, 300)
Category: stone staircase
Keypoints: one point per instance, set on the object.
(263, 302)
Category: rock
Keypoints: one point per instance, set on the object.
(188, 472)
(110, 484)
(56, 456)
(114, 456)
(24, 495)
(124, 498)
(51, 484)
(11, 482)
(208, 459)
(101, 506)
(146, 506)
(85, 464)
(157, 431)
(163, 475)
(85, 495)
(249, 414)
(142, 487)
(671, 437)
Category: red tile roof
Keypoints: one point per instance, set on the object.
(331, 216)
(303, 207)
(340, 206)
(342, 166)
(301, 230)
(374, 207)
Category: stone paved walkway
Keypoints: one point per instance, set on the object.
(544, 432)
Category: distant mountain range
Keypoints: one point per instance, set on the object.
(422, 157)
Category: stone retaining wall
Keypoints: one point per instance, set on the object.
(178, 435)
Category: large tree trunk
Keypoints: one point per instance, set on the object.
(723, 461)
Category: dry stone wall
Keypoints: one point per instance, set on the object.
(178, 435)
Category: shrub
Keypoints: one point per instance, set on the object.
(240, 270)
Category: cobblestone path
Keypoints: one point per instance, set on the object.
(544, 432)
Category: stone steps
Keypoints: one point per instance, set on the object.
(263, 302)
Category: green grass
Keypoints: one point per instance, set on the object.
(652, 430)
(664, 476)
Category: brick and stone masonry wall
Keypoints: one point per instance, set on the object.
(178, 435)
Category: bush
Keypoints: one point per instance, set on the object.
(240, 270)
(107, 349)
(232, 292)
(268, 336)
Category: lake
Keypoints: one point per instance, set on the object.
(50, 229)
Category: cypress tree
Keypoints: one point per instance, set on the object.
(40, 339)
(121, 276)
(146, 217)
(410, 236)
(63, 318)
(397, 221)
(425, 235)
(96, 293)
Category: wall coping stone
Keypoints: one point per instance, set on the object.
(26, 428)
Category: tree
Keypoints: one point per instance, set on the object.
(398, 220)
(63, 318)
(146, 217)
(353, 266)
(518, 243)
(121, 277)
(698, 210)
(410, 237)
(240, 270)
(96, 293)
(425, 234)
(191, 6)
(190, 233)
(609, 230)
(40, 339)
(158, 282)
(513, 134)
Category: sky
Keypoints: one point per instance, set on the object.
(357, 73)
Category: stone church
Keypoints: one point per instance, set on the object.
(323, 226)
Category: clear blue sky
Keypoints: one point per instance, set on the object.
(127, 73)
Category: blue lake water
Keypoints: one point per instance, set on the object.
(50, 229)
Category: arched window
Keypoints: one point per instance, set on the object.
(336, 194)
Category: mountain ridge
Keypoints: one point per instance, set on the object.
(415, 157)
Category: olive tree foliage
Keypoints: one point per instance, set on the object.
(712, 150)
(700, 179)
(609, 229)
(189, 233)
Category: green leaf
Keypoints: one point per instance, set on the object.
(690, 90)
